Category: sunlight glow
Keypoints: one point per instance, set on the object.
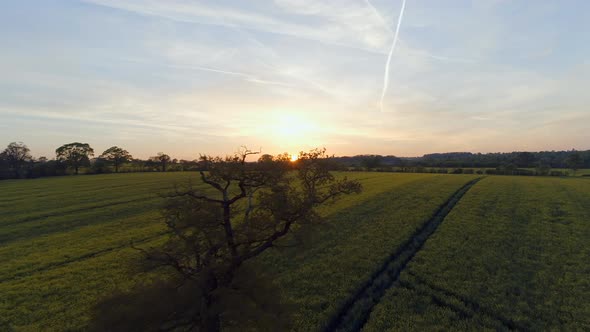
(294, 157)
(292, 129)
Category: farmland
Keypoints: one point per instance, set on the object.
(512, 252)
(65, 240)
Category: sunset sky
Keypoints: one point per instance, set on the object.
(189, 77)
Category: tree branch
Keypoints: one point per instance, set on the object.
(209, 182)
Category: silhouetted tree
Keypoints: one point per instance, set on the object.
(75, 154)
(213, 235)
(99, 166)
(574, 161)
(163, 159)
(16, 155)
(117, 156)
(266, 158)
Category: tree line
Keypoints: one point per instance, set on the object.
(16, 162)
(511, 163)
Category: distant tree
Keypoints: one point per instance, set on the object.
(75, 154)
(212, 236)
(99, 166)
(506, 168)
(524, 159)
(543, 168)
(117, 156)
(266, 158)
(186, 165)
(5, 172)
(164, 159)
(16, 155)
(371, 162)
(574, 161)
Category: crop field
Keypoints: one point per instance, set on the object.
(509, 252)
(65, 241)
(513, 254)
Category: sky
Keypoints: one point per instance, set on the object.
(206, 77)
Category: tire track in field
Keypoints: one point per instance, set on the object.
(82, 257)
(438, 294)
(354, 313)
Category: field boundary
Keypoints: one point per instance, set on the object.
(355, 311)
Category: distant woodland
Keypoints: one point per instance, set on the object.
(17, 162)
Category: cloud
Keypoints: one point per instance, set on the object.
(248, 77)
(208, 74)
(347, 23)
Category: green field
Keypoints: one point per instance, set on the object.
(513, 254)
(514, 250)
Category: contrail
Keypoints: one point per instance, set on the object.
(386, 75)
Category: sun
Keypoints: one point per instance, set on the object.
(294, 157)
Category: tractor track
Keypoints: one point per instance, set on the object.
(354, 313)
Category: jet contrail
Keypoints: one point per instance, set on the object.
(386, 75)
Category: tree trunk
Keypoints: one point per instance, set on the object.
(209, 320)
(116, 168)
(76, 169)
(229, 233)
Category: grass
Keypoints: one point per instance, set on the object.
(355, 242)
(513, 254)
(65, 242)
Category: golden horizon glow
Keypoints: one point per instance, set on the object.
(294, 157)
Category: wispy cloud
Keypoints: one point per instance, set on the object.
(245, 76)
(380, 17)
(276, 65)
(346, 24)
(211, 74)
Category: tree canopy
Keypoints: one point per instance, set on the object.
(249, 209)
(117, 156)
(163, 159)
(15, 155)
(574, 161)
(75, 154)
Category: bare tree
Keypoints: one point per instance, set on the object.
(248, 208)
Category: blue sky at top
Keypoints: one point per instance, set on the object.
(208, 76)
